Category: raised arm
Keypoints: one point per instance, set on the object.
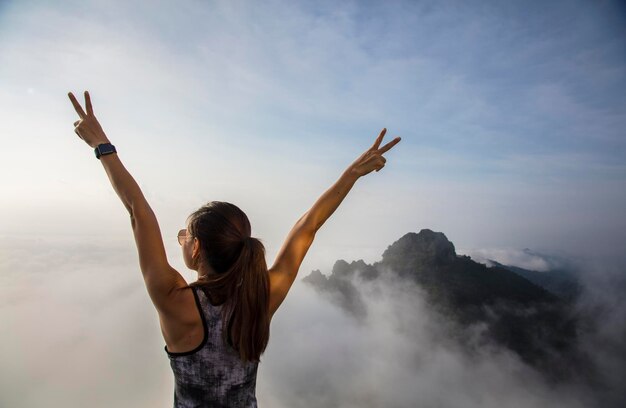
(160, 278)
(285, 268)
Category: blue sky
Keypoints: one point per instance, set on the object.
(511, 117)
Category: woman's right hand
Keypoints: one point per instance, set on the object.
(373, 158)
(87, 127)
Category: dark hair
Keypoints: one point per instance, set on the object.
(241, 279)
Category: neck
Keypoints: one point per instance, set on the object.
(204, 272)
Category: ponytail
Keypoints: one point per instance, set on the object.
(247, 307)
(245, 312)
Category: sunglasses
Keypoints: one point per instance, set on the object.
(182, 234)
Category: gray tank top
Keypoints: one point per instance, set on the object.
(212, 375)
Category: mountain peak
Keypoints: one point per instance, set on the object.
(424, 248)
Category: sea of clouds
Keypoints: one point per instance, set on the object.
(79, 330)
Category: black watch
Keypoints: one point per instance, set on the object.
(103, 149)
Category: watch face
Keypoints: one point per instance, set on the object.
(106, 148)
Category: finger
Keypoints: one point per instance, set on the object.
(88, 103)
(76, 131)
(379, 139)
(389, 145)
(77, 122)
(77, 106)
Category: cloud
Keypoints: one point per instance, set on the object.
(602, 300)
(404, 354)
(80, 330)
(403, 314)
(270, 95)
(525, 258)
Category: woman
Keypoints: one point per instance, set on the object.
(216, 329)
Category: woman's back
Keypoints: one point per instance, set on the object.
(212, 374)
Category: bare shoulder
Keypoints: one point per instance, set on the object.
(181, 325)
(184, 307)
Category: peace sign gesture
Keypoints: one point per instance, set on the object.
(373, 157)
(87, 127)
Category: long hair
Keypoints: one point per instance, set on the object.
(241, 279)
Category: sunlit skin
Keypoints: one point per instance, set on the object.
(180, 320)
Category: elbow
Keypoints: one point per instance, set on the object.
(140, 214)
(131, 212)
(139, 210)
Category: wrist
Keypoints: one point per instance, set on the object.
(99, 142)
(351, 174)
(104, 149)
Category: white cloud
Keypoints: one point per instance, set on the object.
(77, 317)
(404, 354)
(512, 257)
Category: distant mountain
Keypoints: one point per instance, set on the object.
(519, 314)
(561, 282)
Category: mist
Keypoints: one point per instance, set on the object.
(406, 353)
(79, 330)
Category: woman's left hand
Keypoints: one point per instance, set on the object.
(87, 127)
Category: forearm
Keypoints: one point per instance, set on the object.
(161, 279)
(123, 183)
(328, 202)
